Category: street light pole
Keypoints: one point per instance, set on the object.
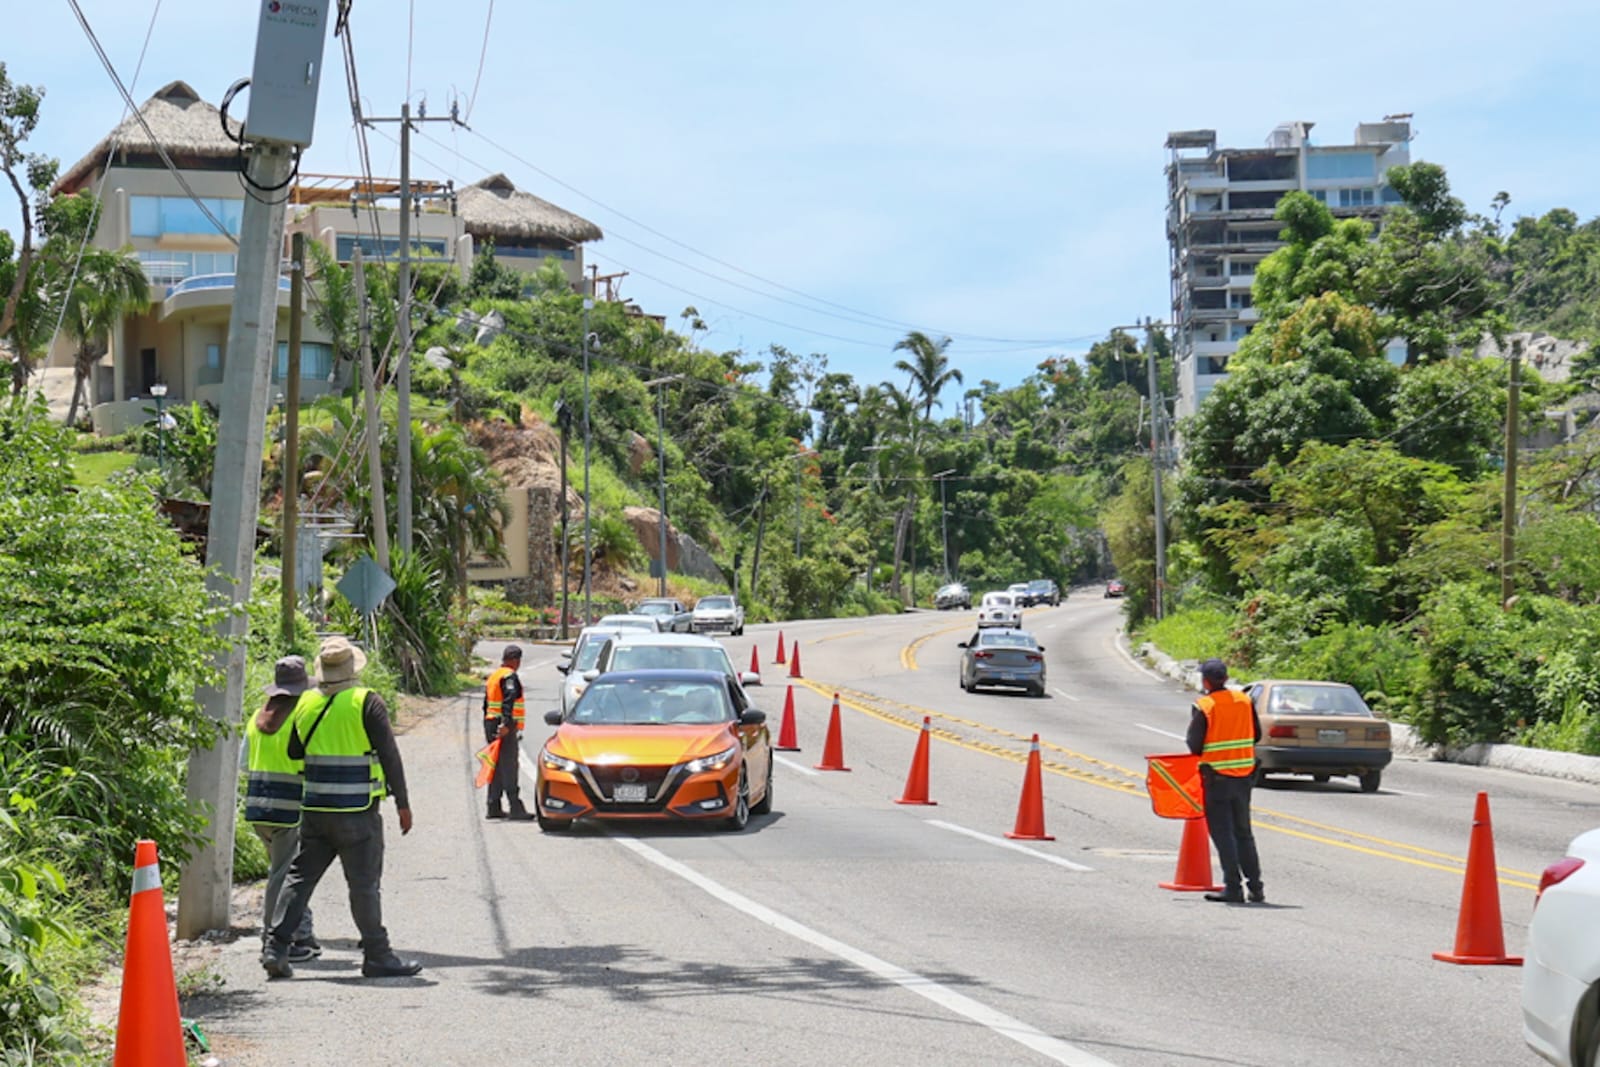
(944, 523)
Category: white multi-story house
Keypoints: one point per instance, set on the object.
(1220, 203)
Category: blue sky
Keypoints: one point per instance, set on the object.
(935, 165)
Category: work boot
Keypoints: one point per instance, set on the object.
(495, 812)
(1258, 895)
(308, 948)
(388, 965)
(519, 813)
(274, 959)
(1227, 896)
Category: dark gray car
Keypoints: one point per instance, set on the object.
(1003, 656)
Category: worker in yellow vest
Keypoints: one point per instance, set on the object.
(1223, 731)
(341, 731)
(272, 794)
(504, 715)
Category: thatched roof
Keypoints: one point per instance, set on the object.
(496, 208)
(184, 124)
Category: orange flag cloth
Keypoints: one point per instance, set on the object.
(488, 759)
(1174, 785)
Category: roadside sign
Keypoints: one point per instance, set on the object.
(365, 585)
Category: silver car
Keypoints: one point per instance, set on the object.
(719, 614)
(584, 655)
(1003, 656)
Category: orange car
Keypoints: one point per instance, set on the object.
(656, 744)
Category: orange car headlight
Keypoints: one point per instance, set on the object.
(714, 762)
(554, 762)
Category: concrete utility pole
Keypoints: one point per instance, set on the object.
(291, 432)
(944, 523)
(761, 530)
(564, 424)
(1157, 458)
(588, 448)
(1508, 507)
(374, 428)
(660, 385)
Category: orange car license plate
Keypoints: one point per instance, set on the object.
(631, 794)
(1331, 737)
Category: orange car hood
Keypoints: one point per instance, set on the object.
(600, 746)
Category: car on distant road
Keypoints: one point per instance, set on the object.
(1003, 656)
(648, 623)
(656, 744)
(1115, 587)
(718, 614)
(998, 609)
(1043, 591)
(1021, 594)
(1323, 729)
(584, 655)
(953, 595)
(673, 617)
(1561, 974)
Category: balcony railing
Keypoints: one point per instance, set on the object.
(212, 281)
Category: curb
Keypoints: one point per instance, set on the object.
(1535, 761)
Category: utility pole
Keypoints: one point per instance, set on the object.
(660, 385)
(564, 424)
(1157, 458)
(588, 448)
(369, 392)
(291, 433)
(283, 100)
(1508, 508)
(761, 529)
(944, 523)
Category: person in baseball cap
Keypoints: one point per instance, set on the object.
(1223, 731)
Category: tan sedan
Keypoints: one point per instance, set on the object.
(1319, 728)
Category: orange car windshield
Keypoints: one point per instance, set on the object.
(640, 702)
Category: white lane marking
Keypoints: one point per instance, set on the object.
(960, 1004)
(1134, 662)
(1064, 693)
(792, 765)
(1163, 733)
(1012, 845)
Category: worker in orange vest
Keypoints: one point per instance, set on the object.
(1223, 731)
(504, 715)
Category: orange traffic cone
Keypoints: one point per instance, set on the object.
(1479, 936)
(779, 658)
(1194, 860)
(149, 1030)
(1030, 809)
(833, 747)
(794, 661)
(916, 791)
(787, 741)
(755, 661)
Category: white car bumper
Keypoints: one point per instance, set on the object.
(1549, 999)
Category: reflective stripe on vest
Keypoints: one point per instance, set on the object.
(272, 784)
(342, 770)
(1230, 733)
(494, 698)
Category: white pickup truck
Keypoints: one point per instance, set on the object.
(671, 615)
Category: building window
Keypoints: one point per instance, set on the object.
(211, 369)
(373, 248)
(1239, 300)
(1323, 166)
(1320, 195)
(539, 252)
(316, 362)
(1238, 268)
(1212, 365)
(156, 216)
(1389, 196)
(1356, 198)
(1239, 331)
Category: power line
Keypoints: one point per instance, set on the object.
(483, 54)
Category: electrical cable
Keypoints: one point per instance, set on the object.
(483, 54)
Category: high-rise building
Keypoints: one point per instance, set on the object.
(1220, 203)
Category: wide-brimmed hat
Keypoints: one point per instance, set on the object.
(339, 664)
(289, 677)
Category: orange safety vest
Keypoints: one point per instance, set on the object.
(494, 697)
(1230, 746)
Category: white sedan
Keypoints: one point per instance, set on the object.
(1561, 976)
(999, 609)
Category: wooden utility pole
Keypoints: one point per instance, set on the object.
(291, 433)
(369, 391)
(1508, 508)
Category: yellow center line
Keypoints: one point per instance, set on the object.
(1132, 782)
(908, 655)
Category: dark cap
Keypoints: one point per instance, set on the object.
(288, 677)
(511, 652)
(1214, 670)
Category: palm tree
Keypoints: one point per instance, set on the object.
(109, 285)
(929, 368)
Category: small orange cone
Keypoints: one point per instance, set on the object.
(1030, 809)
(1194, 860)
(149, 1030)
(916, 791)
(779, 658)
(1479, 935)
(833, 747)
(794, 661)
(755, 661)
(787, 741)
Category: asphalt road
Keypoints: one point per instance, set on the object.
(846, 929)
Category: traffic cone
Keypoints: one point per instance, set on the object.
(1030, 809)
(779, 658)
(1194, 860)
(794, 661)
(833, 747)
(755, 661)
(149, 1030)
(787, 742)
(1479, 936)
(916, 791)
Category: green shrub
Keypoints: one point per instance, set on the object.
(1192, 633)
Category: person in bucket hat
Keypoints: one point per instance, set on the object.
(341, 730)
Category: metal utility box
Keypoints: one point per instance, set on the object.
(288, 68)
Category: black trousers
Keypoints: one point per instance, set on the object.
(505, 781)
(1227, 802)
(355, 839)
